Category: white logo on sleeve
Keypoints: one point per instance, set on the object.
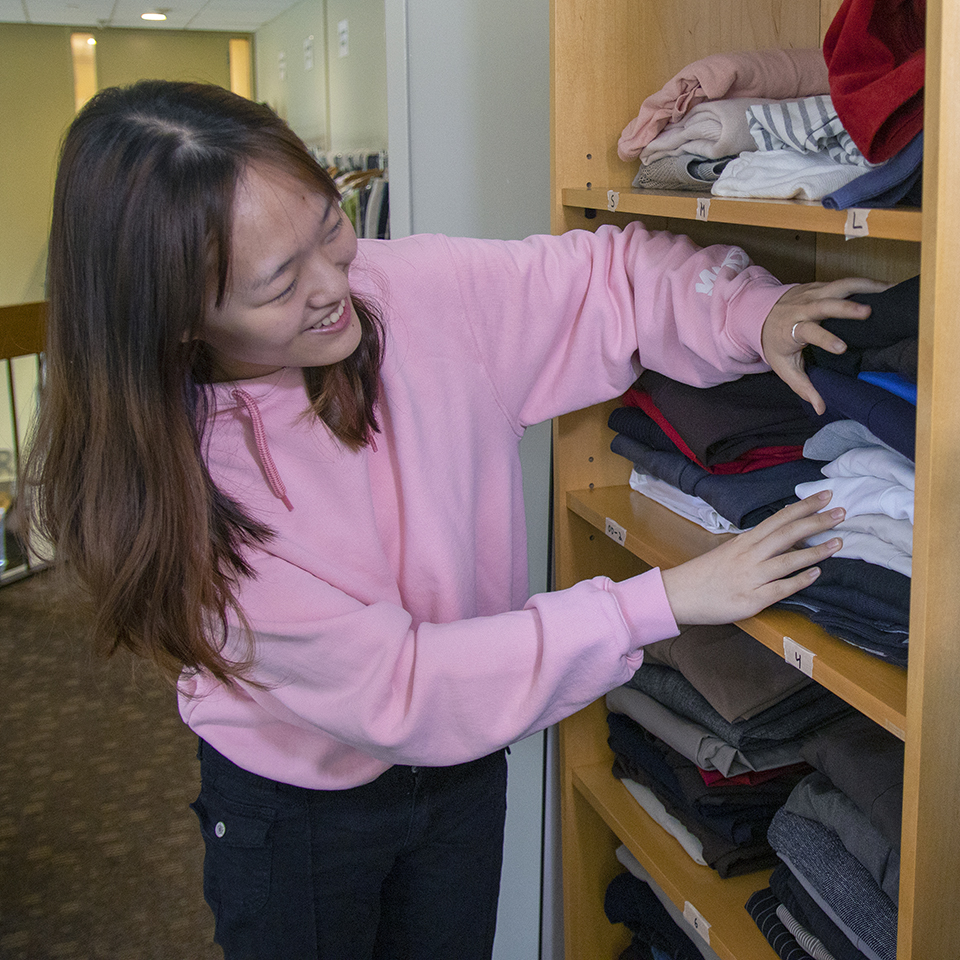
(735, 259)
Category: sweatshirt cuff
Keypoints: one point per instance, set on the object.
(645, 608)
(765, 292)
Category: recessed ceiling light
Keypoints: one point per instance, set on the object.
(153, 16)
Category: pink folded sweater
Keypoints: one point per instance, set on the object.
(773, 74)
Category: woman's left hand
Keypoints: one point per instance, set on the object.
(795, 322)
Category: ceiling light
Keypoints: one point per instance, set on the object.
(153, 16)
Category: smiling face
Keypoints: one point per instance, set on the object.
(287, 301)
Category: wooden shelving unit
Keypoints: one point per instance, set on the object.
(607, 56)
(663, 539)
(901, 223)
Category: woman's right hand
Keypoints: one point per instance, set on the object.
(794, 322)
(754, 569)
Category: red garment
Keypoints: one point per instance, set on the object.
(758, 458)
(635, 397)
(875, 61)
(752, 778)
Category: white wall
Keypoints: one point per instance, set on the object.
(293, 85)
(478, 81)
(358, 81)
(336, 103)
(469, 115)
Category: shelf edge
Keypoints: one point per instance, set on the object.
(894, 223)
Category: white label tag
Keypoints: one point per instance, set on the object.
(692, 915)
(613, 200)
(703, 208)
(856, 225)
(798, 656)
(615, 532)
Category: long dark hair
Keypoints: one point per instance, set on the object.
(116, 478)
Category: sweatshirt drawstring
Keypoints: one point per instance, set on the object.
(263, 451)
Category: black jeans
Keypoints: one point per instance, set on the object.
(404, 868)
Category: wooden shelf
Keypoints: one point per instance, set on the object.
(664, 539)
(896, 223)
(720, 902)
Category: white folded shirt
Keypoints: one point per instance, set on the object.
(783, 175)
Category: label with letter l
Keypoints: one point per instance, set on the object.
(856, 224)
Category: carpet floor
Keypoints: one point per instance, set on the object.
(100, 857)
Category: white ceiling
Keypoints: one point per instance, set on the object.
(242, 16)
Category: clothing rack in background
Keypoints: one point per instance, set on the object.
(21, 362)
(362, 178)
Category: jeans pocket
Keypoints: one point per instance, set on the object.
(237, 863)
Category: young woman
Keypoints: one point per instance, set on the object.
(285, 466)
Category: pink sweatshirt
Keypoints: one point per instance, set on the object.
(390, 611)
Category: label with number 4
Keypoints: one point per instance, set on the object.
(798, 656)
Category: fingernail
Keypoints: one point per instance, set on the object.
(824, 495)
(838, 513)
